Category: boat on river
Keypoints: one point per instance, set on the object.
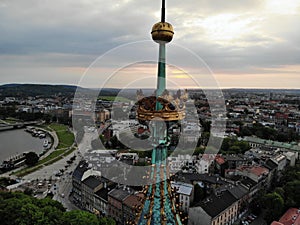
(45, 144)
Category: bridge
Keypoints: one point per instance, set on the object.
(8, 126)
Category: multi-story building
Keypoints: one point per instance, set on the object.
(76, 182)
(89, 187)
(116, 198)
(220, 209)
(186, 194)
(101, 198)
(273, 145)
(102, 115)
(131, 205)
(234, 161)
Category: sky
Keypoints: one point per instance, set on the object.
(245, 43)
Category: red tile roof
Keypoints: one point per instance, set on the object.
(257, 170)
(220, 160)
(208, 157)
(132, 201)
(291, 217)
(276, 223)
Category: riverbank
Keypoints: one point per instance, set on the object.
(65, 146)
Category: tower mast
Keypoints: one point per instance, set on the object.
(159, 205)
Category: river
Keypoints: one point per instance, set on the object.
(16, 141)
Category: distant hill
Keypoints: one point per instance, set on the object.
(25, 90)
(45, 90)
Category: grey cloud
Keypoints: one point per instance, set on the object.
(73, 33)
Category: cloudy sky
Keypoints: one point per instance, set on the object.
(245, 43)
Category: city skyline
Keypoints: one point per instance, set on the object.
(247, 44)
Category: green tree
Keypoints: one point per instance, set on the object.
(199, 193)
(31, 158)
(292, 191)
(203, 140)
(234, 149)
(243, 145)
(79, 217)
(106, 221)
(273, 204)
(280, 191)
(245, 131)
(199, 150)
(21, 209)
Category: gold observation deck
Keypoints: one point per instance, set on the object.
(162, 32)
(173, 107)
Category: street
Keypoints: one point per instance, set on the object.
(63, 184)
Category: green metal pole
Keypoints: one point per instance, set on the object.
(161, 78)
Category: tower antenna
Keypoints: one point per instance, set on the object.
(163, 11)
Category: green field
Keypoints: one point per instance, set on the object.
(65, 137)
(114, 98)
(11, 120)
(27, 171)
(53, 155)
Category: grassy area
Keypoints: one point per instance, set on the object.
(27, 171)
(69, 151)
(53, 161)
(52, 155)
(50, 159)
(65, 137)
(11, 120)
(114, 98)
(43, 127)
(66, 140)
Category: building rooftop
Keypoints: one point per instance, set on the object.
(270, 164)
(248, 183)
(238, 191)
(103, 192)
(279, 158)
(220, 160)
(183, 188)
(257, 170)
(132, 201)
(276, 223)
(80, 169)
(119, 193)
(214, 205)
(92, 182)
(234, 157)
(191, 177)
(291, 217)
(277, 144)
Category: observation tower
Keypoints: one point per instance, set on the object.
(160, 111)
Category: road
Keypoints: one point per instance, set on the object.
(54, 145)
(63, 183)
(63, 188)
(259, 221)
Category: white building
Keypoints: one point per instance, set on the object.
(186, 194)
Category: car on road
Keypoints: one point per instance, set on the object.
(249, 218)
(244, 222)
